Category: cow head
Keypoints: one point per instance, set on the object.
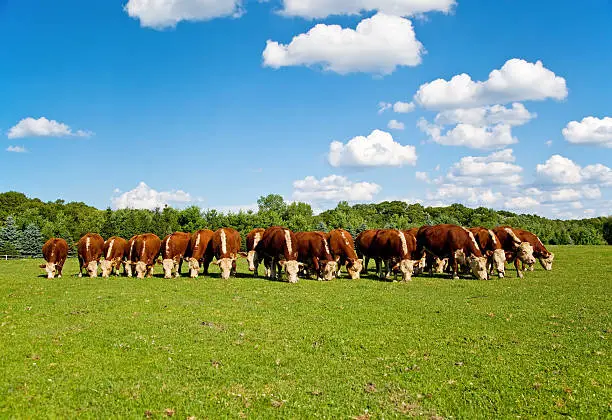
(129, 267)
(354, 267)
(440, 264)
(330, 269)
(407, 268)
(250, 257)
(499, 261)
(547, 261)
(460, 257)
(419, 267)
(50, 269)
(478, 266)
(92, 268)
(141, 269)
(168, 266)
(524, 252)
(225, 265)
(291, 268)
(107, 268)
(194, 268)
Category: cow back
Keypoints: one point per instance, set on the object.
(341, 244)
(147, 247)
(278, 242)
(114, 247)
(55, 250)
(90, 247)
(226, 243)
(253, 238)
(175, 245)
(199, 244)
(313, 244)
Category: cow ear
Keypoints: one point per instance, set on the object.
(338, 258)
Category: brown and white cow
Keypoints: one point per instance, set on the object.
(55, 252)
(342, 248)
(516, 249)
(491, 247)
(114, 250)
(89, 250)
(279, 246)
(130, 257)
(539, 250)
(199, 251)
(173, 249)
(146, 249)
(362, 246)
(455, 243)
(252, 239)
(226, 247)
(397, 250)
(422, 263)
(313, 251)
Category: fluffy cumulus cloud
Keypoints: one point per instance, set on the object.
(378, 45)
(517, 80)
(377, 149)
(496, 168)
(447, 194)
(160, 14)
(16, 149)
(145, 197)
(561, 170)
(333, 188)
(521, 203)
(515, 115)
(324, 8)
(468, 135)
(42, 127)
(396, 125)
(591, 130)
(398, 107)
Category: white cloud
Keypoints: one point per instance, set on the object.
(42, 127)
(549, 143)
(403, 107)
(590, 130)
(378, 45)
(383, 106)
(160, 14)
(447, 194)
(561, 170)
(333, 188)
(565, 194)
(377, 149)
(591, 192)
(323, 8)
(422, 176)
(145, 197)
(495, 168)
(486, 115)
(597, 173)
(521, 203)
(517, 80)
(396, 125)
(16, 149)
(467, 135)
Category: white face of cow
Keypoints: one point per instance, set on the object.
(194, 268)
(478, 265)
(524, 252)
(547, 262)
(107, 268)
(330, 270)
(251, 260)
(499, 261)
(141, 269)
(460, 256)
(225, 264)
(407, 269)
(49, 269)
(168, 266)
(354, 268)
(440, 264)
(92, 269)
(292, 268)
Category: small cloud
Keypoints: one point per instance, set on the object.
(16, 149)
(549, 143)
(396, 125)
(403, 107)
(42, 127)
(145, 197)
(383, 106)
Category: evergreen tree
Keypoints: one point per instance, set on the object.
(321, 227)
(10, 237)
(31, 240)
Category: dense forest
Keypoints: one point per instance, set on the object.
(26, 222)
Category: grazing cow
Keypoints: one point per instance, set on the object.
(396, 250)
(342, 249)
(313, 251)
(55, 252)
(130, 257)
(362, 245)
(173, 249)
(516, 249)
(279, 246)
(539, 250)
(252, 239)
(146, 249)
(455, 243)
(114, 250)
(491, 246)
(199, 251)
(226, 247)
(89, 249)
(422, 263)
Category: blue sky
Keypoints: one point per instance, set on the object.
(185, 100)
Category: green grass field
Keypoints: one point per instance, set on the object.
(244, 347)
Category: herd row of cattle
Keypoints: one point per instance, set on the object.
(437, 248)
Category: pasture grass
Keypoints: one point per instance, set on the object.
(253, 348)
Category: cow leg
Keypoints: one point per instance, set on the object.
(233, 272)
(273, 268)
(58, 268)
(206, 263)
(316, 267)
(366, 261)
(519, 272)
(81, 265)
(455, 272)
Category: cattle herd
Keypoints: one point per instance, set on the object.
(439, 248)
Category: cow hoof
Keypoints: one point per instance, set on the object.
(455, 277)
(80, 275)
(59, 277)
(501, 275)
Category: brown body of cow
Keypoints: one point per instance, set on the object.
(313, 251)
(396, 250)
(278, 246)
(55, 252)
(114, 250)
(455, 243)
(539, 250)
(173, 249)
(491, 247)
(199, 251)
(252, 239)
(89, 250)
(362, 246)
(342, 248)
(226, 247)
(130, 257)
(516, 249)
(422, 263)
(146, 250)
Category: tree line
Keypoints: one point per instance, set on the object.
(25, 223)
